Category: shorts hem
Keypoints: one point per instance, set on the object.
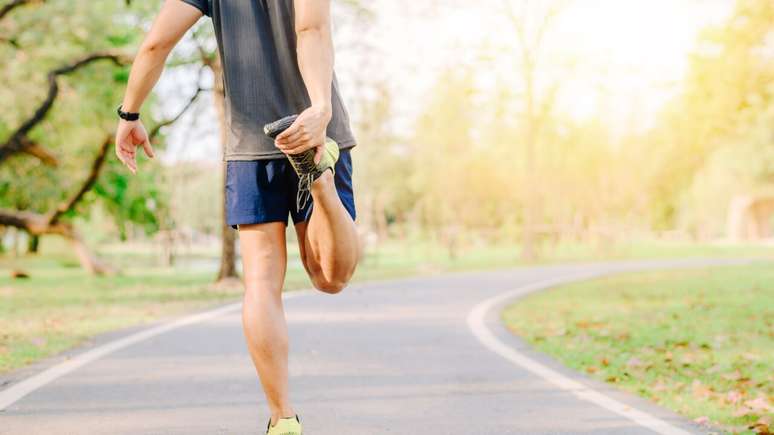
(253, 221)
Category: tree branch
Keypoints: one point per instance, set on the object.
(37, 225)
(155, 130)
(18, 138)
(40, 152)
(96, 167)
(99, 160)
(8, 7)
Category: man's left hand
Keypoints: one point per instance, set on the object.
(308, 131)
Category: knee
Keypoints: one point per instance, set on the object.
(329, 286)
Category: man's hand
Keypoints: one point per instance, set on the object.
(174, 19)
(308, 131)
(129, 136)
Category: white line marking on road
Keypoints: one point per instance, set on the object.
(17, 391)
(477, 323)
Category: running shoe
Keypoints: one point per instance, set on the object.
(303, 163)
(285, 426)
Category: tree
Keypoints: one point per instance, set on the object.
(530, 25)
(84, 71)
(227, 268)
(727, 87)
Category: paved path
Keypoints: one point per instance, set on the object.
(395, 357)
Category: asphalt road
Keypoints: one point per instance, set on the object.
(395, 357)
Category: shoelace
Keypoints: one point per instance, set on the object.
(304, 162)
(308, 169)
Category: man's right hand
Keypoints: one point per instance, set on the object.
(129, 136)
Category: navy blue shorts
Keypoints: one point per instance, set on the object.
(260, 191)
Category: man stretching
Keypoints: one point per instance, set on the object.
(277, 61)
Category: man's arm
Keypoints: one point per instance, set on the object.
(174, 19)
(314, 48)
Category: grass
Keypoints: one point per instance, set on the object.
(700, 342)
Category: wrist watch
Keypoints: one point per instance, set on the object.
(128, 116)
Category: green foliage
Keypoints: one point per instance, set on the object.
(725, 109)
(51, 35)
(464, 173)
(122, 39)
(121, 75)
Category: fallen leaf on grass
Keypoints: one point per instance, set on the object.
(733, 397)
(733, 376)
(700, 390)
(591, 369)
(762, 426)
(585, 324)
(759, 404)
(660, 386)
(714, 369)
(557, 333)
(38, 341)
(743, 412)
(687, 359)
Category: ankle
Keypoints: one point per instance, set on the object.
(283, 413)
(324, 181)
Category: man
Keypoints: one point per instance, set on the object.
(277, 60)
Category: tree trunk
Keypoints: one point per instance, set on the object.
(33, 244)
(228, 245)
(228, 248)
(529, 249)
(380, 215)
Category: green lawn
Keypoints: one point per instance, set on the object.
(700, 342)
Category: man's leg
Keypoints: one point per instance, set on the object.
(328, 240)
(264, 261)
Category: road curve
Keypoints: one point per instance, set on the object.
(393, 357)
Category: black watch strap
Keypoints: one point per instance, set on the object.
(129, 116)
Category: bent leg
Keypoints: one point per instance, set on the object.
(264, 261)
(328, 240)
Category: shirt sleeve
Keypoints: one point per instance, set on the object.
(202, 5)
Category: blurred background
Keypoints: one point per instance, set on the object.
(491, 134)
(546, 128)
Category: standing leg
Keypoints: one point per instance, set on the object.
(328, 240)
(264, 259)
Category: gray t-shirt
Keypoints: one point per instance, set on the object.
(257, 43)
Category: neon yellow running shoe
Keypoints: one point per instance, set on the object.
(285, 426)
(303, 163)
